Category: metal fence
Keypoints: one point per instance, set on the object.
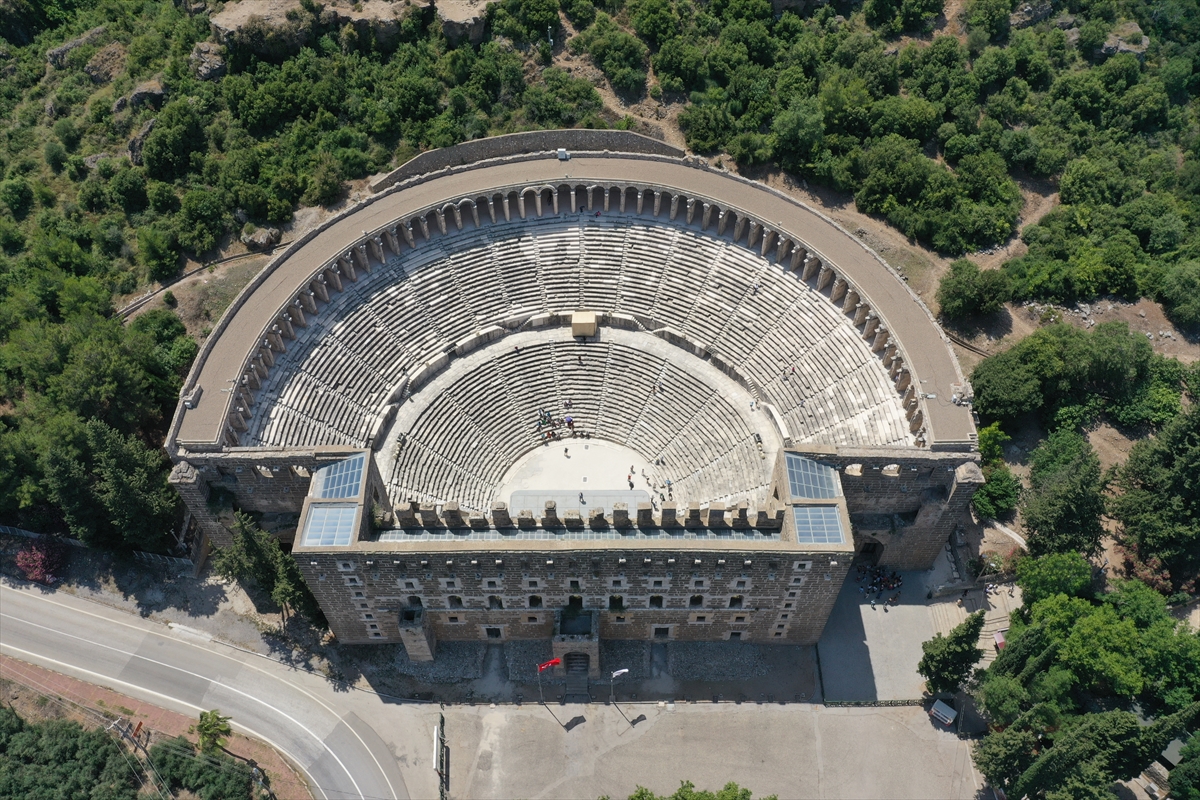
(154, 559)
(872, 703)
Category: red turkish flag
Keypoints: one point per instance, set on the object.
(554, 662)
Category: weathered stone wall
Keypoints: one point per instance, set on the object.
(786, 594)
(573, 139)
(935, 487)
(259, 481)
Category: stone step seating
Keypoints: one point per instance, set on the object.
(462, 443)
(401, 314)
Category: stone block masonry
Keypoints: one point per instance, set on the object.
(780, 596)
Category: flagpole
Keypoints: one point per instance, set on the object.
(541, 695)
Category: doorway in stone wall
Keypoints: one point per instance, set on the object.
(870, 552)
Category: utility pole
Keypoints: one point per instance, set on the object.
(612, 685)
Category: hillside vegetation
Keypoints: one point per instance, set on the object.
(124, 148)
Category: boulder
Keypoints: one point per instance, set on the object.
(271, 28)
(1030, 14)
(261, 238)
(150, 93)
(138, 142)
(277, 28)
(1126, 38)
(91, 161)
(106, 63)
(57, 56)
(207, 61)
(463, 19)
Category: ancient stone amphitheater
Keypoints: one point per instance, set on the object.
(514, 322)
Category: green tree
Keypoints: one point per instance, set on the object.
(158, 249)
(1157, 501)
(798, 133)
(989, 16)
(1185, 778)
(688, 791)
(1000, 493)
(966, 291)
(1064, 502)
(213, 730)
(325, 185)
(201, 220)
(216, 776)
(948, 660)
(1004, 756)
(654, 20)
(991, 443)
(178, 134)
(17, 195)
(254, 556)
(58, 758)
(1056, 573)
(1002, 699)
(1180, 293)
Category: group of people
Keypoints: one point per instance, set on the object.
(876, 581)
(548, 426)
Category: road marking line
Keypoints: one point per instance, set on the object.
(305, 692)
(135, 687)
(212, 681)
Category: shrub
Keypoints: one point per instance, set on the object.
(169, 298)
(325, 185)
(42, 560)
(55, 155)
(202, 220)
(17, 194)
(158, 249)
(177, 134)
(620, 56)
(967, 291)
(1180, 293)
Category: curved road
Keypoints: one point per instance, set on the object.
(299, 714)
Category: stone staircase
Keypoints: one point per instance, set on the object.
(947, 614)
(577, 678)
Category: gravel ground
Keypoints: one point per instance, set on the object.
(715, 661)
(453, 662)
(523, 656)
(618, 654)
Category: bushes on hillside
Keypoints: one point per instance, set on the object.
(620, 56)
(1069, 377)
(966, 291)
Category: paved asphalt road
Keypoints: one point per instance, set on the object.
(299, 714)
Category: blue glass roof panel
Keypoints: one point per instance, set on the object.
(329, 525)
(819, 525)
(810, 480)
(340, 480)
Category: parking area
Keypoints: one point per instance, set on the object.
(794, 751)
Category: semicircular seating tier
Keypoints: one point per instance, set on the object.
(782, 324)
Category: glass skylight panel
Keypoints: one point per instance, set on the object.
(808, 479)
(329, 525)
(343, 479)
(819, 525)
